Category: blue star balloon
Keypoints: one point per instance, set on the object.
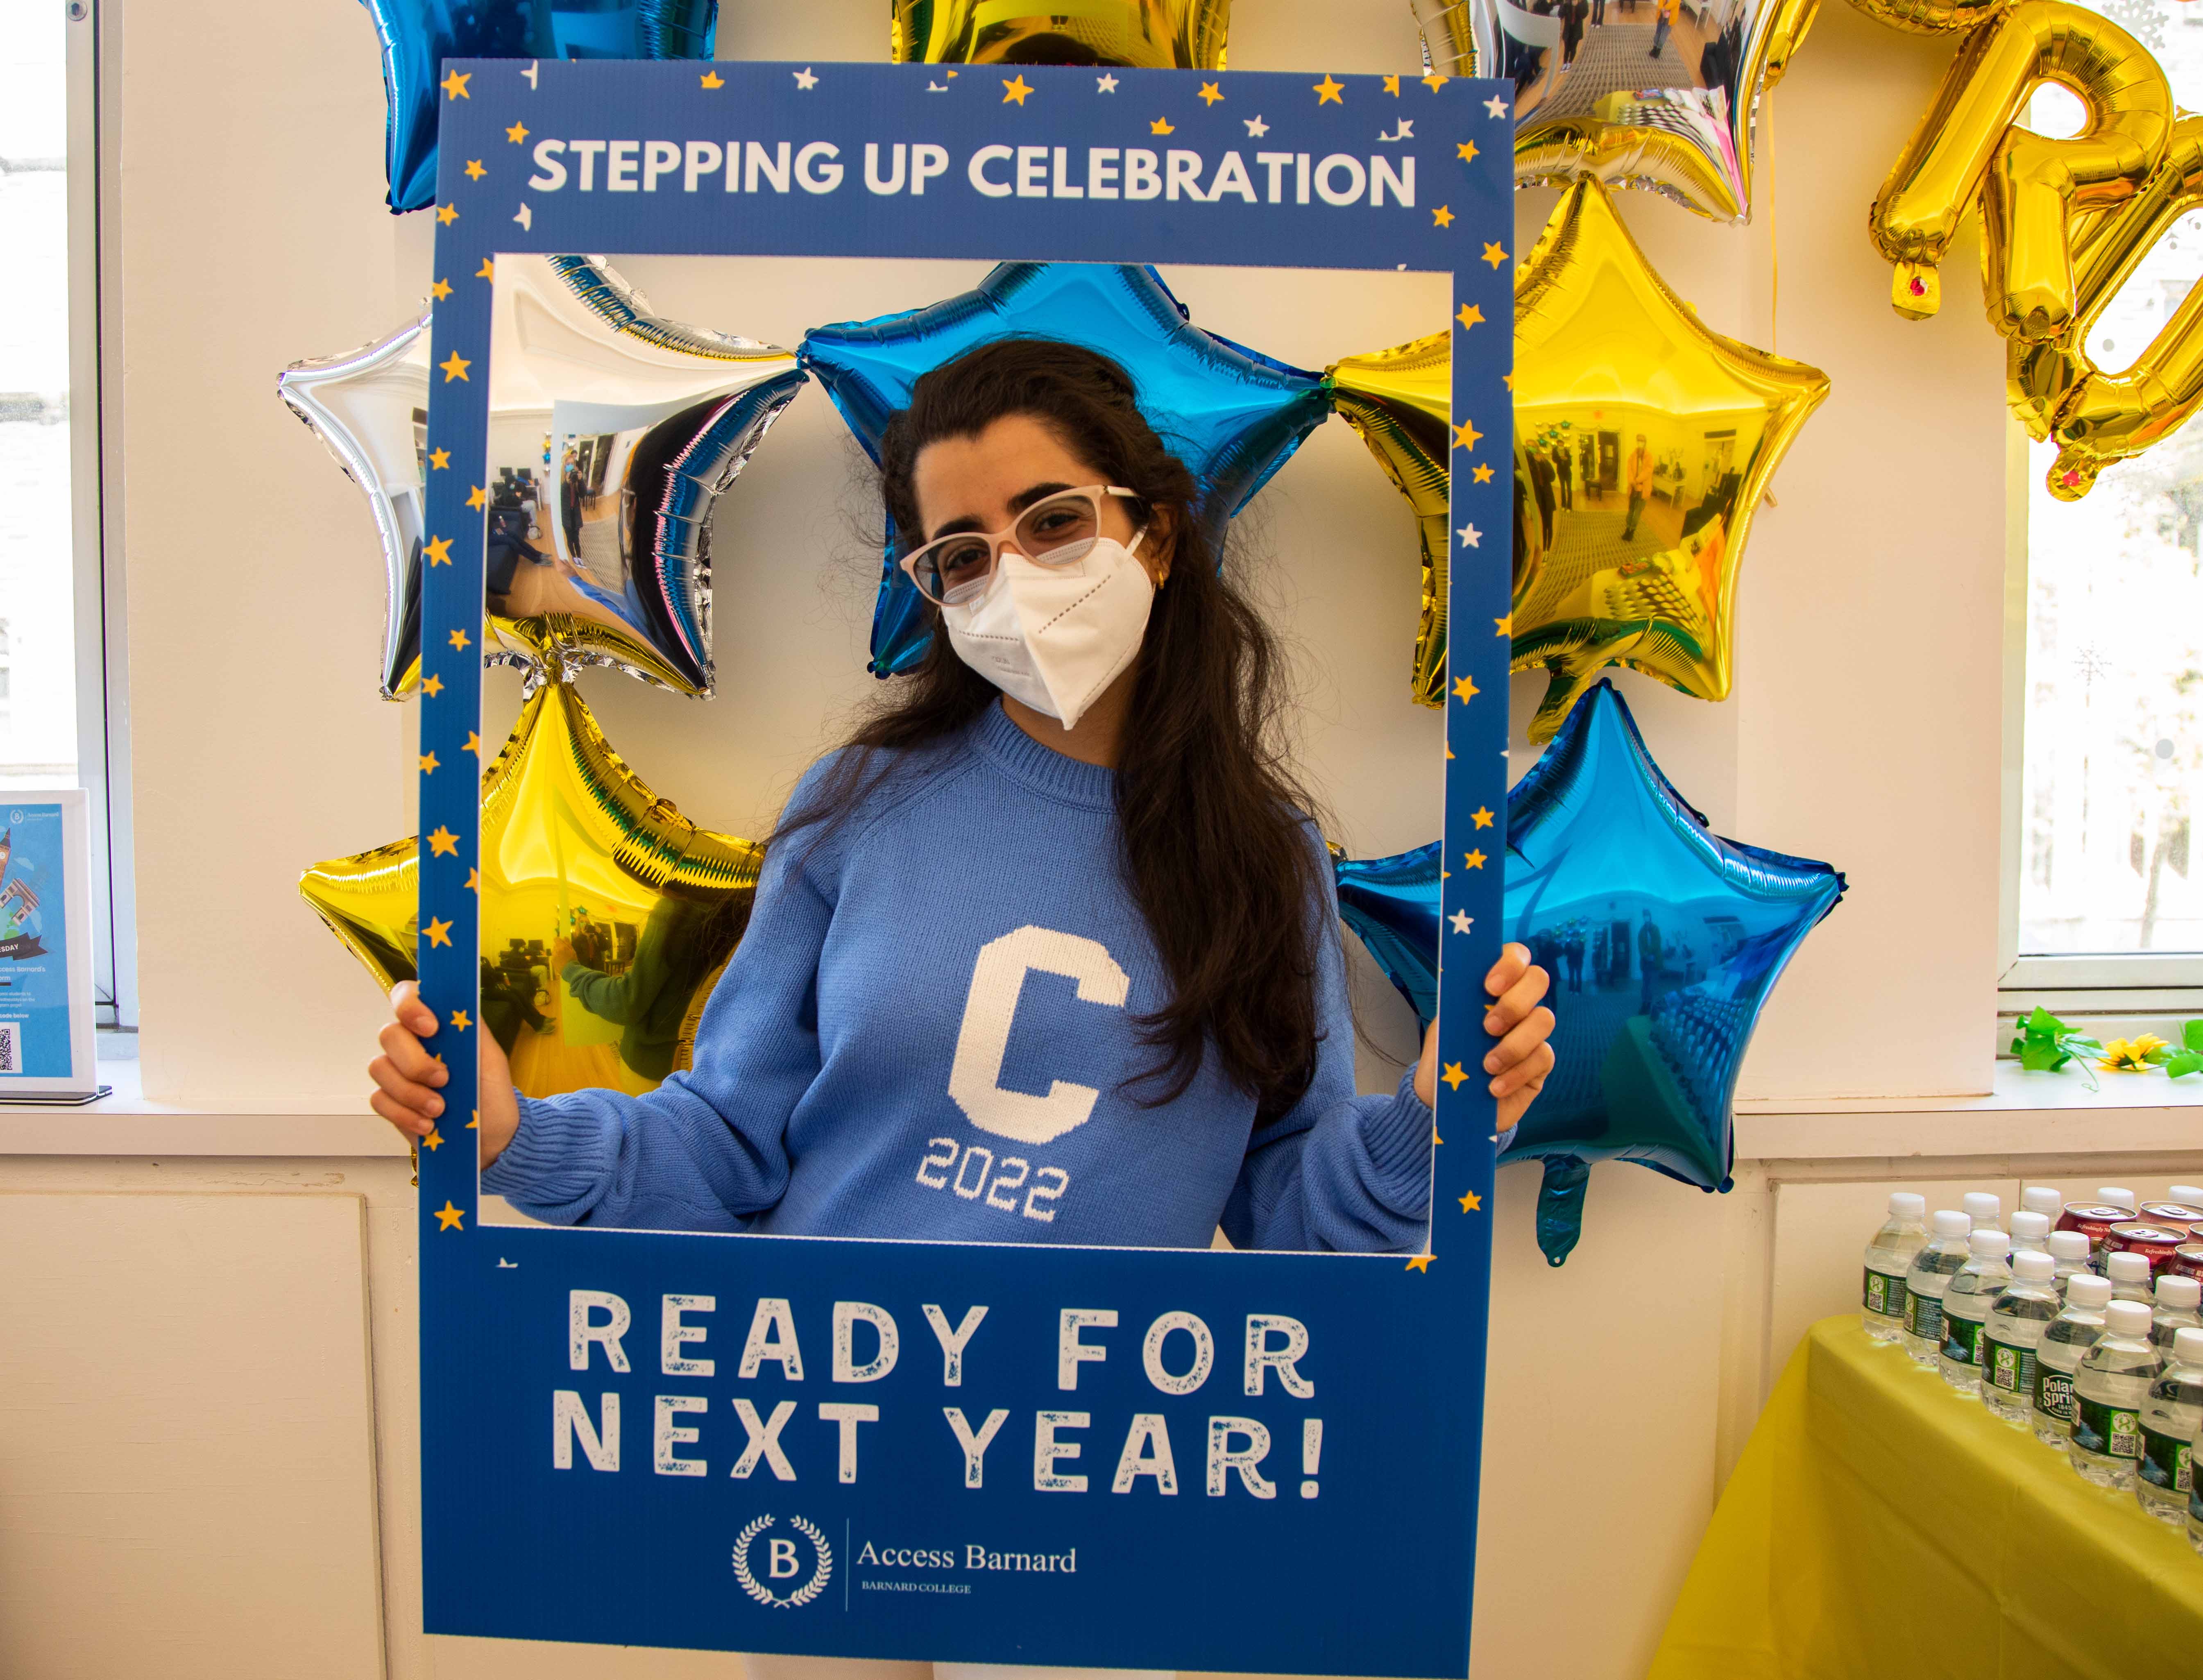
(1232, 415)
(1662, 939)
(419, 35)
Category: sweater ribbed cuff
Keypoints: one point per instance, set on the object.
(554, 1159)
(1398, 1138)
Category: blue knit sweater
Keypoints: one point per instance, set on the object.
(926, 1033)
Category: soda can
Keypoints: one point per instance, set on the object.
(2158, 1242)
(2186, 1261)
(2093, 1221)
(2180, 1215)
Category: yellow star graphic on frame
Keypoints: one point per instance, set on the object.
(1482, 475)
(1481, 816)
(1434, 81)
(1392, 85)
(473, 880)
(1493, 254)
(1210, 93)
(473, 744)
(455, 84)
(454, 366)
(431, 686)
(1442, 217)
(443, 842)
(478, 498)
(427, 764)
(441, 290)
(1422, 1262)
(1471, 1202)
(1465, 435)
(461, 1020)
(1467, 152)
(447, 214)
(439, 459)
(450, 1218)
(1016, 91)
(1328, 91)
(459, 641)
(1453, 1076)
(488, 271)
(437, 549)
(1470, 316)
(1161, 125)
(433, 1141)
(1474, 859)
(1465, 690)
(439, 932)
(1503, 626)
(517, 133)
(475, 170)
(710, 78)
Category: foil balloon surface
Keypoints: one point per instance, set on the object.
(418, 35)
(1643, 442)
(1232, 415)
(606, 915)
(1662, 940)
(1651, 93)
(2031, 189)
(1399, 401)
(1143, 34)
(613, 433)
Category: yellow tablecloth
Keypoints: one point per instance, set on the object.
(1880, 1525)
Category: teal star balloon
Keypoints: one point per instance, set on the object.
(1232, 415)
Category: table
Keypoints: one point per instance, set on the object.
(1880, 1523)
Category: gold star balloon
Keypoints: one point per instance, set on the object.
(1398, 400)
(1142, 34)
(612, 432)
(1642, 444)
(606, 915)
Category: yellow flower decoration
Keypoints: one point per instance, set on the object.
(2134, 1056)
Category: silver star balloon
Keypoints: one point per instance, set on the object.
(1652, 93)
(612, 432)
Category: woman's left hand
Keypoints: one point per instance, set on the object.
(1518, 1064)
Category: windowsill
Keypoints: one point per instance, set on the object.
(2025, 1114)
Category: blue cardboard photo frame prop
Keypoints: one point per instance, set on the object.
(593, 1466)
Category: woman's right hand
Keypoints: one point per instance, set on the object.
(410, 1078)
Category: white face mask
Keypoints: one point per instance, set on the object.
(1055, 637)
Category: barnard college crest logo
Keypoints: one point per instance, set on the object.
(783, 1586)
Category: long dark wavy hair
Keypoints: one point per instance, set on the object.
(1216, 850)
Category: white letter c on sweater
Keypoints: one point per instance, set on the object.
(974, 1079)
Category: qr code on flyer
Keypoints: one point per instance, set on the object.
(11, 1046)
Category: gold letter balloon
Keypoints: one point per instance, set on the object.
(611, 432)
(606, 915)
(1141, 34)
(1652, 93)
(1642, 444)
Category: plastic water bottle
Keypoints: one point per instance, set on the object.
(2065, 1343)
(2030, 1231)
(2108, 1391)
(1986, 1211)
(1889, 1258)
(2045, 1199)
(2113, 1195)
(2129, 1276)
(2190, 1193)
(2174, 1311)
(2171, 1413)
(2070, 1248)
(1966, 1303)
(1925, 1280)
(2017, 1320)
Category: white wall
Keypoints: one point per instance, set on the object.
(1864, 729)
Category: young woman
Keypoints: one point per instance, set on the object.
(1047, 953)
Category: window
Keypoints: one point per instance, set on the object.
(2104, 888)
(58, 646)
